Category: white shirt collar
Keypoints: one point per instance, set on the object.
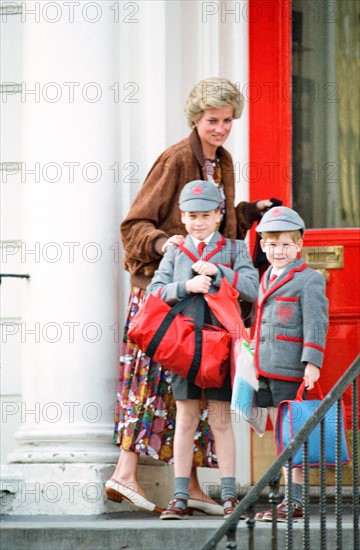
(206, 241)
(277, 273)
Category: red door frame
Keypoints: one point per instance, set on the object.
(269, 109)
(270, 99)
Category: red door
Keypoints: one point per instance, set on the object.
(304, 135)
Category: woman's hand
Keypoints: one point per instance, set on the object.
(263, 204)
(175, 239)
(198, 284)
(205, 268)
(311, 375)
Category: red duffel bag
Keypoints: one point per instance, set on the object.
(188, 347)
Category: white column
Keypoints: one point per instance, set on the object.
(71, 189)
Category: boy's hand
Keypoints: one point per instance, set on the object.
(205, 268)
(311, 375)
(175, 239)
(198, 284)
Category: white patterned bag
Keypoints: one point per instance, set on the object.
(244, 387)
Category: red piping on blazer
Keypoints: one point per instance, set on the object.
(267, 293)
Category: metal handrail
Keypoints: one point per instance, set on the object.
(272, 476)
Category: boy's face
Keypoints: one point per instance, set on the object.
(280, 250)
(201, 224)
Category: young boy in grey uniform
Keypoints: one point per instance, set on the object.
(197, 266)
(291, 326)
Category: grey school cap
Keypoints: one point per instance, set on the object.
(280, 218)
(199, 196)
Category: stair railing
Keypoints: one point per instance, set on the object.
(272, 477)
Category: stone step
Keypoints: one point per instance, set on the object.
(143, 531)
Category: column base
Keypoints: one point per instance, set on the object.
(75, 488)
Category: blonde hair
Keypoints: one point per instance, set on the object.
(294, 235)
(212, 93)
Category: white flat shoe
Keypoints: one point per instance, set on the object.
(117, 492)
(205, 507)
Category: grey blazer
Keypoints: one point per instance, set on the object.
(291, 324)
(176, 268)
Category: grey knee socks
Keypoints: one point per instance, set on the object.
(228, 488)
(182, 489)
(296, 493)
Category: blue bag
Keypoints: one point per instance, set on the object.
(291, 417)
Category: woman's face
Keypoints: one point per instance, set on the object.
(213, 128)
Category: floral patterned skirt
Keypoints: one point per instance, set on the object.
(145, 409)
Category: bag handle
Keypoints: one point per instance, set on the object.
(299, 395)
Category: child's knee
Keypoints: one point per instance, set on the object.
(187, 416)
(220, 416)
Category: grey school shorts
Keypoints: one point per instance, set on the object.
(183, 389)
(271, 391)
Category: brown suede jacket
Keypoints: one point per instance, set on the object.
(155, 215)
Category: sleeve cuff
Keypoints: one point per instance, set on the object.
(158, 245)
(312, 355)
(181, 290)
(247, 213)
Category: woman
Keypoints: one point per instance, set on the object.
(145, 413)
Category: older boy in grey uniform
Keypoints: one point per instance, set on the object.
(291, 326)
(197, 266)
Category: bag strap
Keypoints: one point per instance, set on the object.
(199, 321)
(299, 395)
